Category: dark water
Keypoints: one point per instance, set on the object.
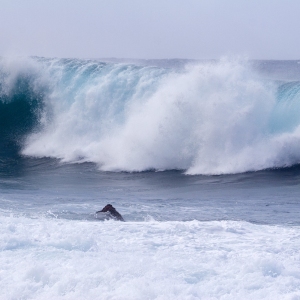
(75, 191)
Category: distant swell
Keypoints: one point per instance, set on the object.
(204, 118)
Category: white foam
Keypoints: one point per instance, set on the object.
(61, 259)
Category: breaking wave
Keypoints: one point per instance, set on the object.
(211, 117)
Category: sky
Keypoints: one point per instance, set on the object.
(150, 29)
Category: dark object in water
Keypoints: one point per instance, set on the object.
(112, 211)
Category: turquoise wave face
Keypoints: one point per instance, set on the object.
(20, 109)
(286, 113)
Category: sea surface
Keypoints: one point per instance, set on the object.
(201, 158)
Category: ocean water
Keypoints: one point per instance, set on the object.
(201, 158)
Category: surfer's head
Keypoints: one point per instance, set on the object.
(107, 207)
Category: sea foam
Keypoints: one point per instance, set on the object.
(66, 259)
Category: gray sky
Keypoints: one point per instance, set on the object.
(200, 29)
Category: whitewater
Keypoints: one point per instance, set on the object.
(201, 158)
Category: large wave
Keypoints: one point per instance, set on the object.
(213, 117)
